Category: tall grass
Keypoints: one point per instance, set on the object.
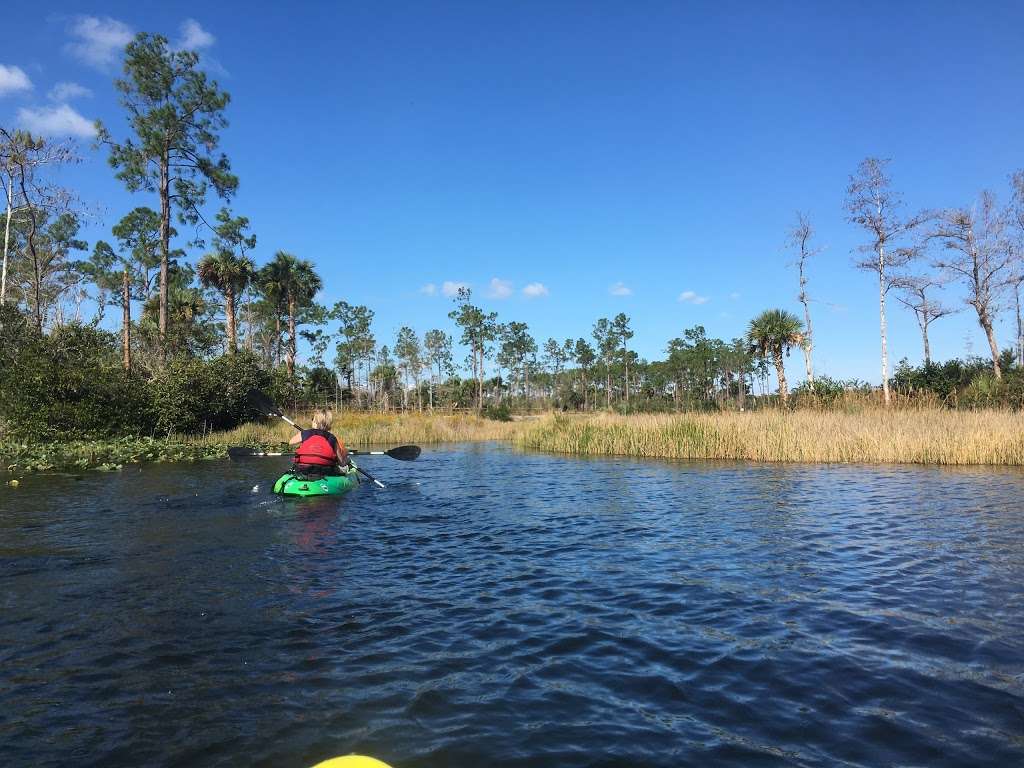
(917, 435)
(359, 429)
(869, 436)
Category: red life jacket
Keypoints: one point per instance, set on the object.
(316, 449)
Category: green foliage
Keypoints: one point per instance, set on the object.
(498, 412)
(193, 395)
(827, 392)
(961, 383)
(67, 385)
(100, 454)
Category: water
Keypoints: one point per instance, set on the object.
(500, 609)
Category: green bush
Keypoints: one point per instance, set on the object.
(499, 412)
(69, 384)
(192, 395)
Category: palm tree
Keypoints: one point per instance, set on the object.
(297, 282)
(770, 334)
(230, 275)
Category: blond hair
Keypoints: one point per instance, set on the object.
(322, 420)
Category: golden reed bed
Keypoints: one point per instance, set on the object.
(875, 436)
(870, 436)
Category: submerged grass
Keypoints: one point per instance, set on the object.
(868, 436)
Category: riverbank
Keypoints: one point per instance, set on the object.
(869, 436)
(357, 429)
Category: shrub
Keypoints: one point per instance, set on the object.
(192, 395)
(69, 384)
(499, 412)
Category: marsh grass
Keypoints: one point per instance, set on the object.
(875, 436)
(360, 429)
(867, 435)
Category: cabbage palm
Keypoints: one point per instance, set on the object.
(297, 282)
(230, 275)
(770, 334)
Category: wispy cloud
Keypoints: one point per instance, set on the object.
(98, 42)
(450, 288)
(734, 295)
(68, 91)
(499, 289)
(59, 120)
(429, 289)
(535, 290)
(620, 289)
(13, 79)
(194, 37)
(691, 297)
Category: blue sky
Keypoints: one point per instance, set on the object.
(644, 158)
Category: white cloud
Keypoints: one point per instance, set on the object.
(533, 290)
(100, 41)
(450, 288)
(194, 37)
(734, 295)
(429, 289)
(68, 91)
(692, 297)
(60, 120)
(499, 289)
(13, 79)
(620, 289)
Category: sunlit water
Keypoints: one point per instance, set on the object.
(500, 609)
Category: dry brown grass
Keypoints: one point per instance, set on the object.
(869, 436)
(358, 429)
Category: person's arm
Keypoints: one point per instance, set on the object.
(342, 454)
(296, 439)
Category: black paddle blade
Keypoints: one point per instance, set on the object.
(262, 403)
(404, 452)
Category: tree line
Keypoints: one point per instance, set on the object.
(226, 304)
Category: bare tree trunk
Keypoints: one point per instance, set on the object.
(229, 312)
(292, 343)
(780, 371)
(625, 360)
(808, 345)
(924, 338)
(480, 382)
(608, 391)
(126, 321)
(1020, 330)
(277, 343)
(165, 248)
(7, 241)
(986, 323)
(881, 316)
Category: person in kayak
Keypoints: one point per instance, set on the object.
(319, 452)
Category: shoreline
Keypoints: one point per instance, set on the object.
(928, 437)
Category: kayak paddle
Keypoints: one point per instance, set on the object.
(264, 404)
(402, 452)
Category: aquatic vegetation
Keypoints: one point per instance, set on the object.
(100, 454)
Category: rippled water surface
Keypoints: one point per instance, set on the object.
(500, 609)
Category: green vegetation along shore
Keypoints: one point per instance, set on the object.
(870, 436)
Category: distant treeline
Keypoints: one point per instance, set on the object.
(191, 336)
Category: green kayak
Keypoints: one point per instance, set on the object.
(296, 484)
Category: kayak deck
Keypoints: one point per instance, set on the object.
(298, 484)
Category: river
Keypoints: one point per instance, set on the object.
(496, 608)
